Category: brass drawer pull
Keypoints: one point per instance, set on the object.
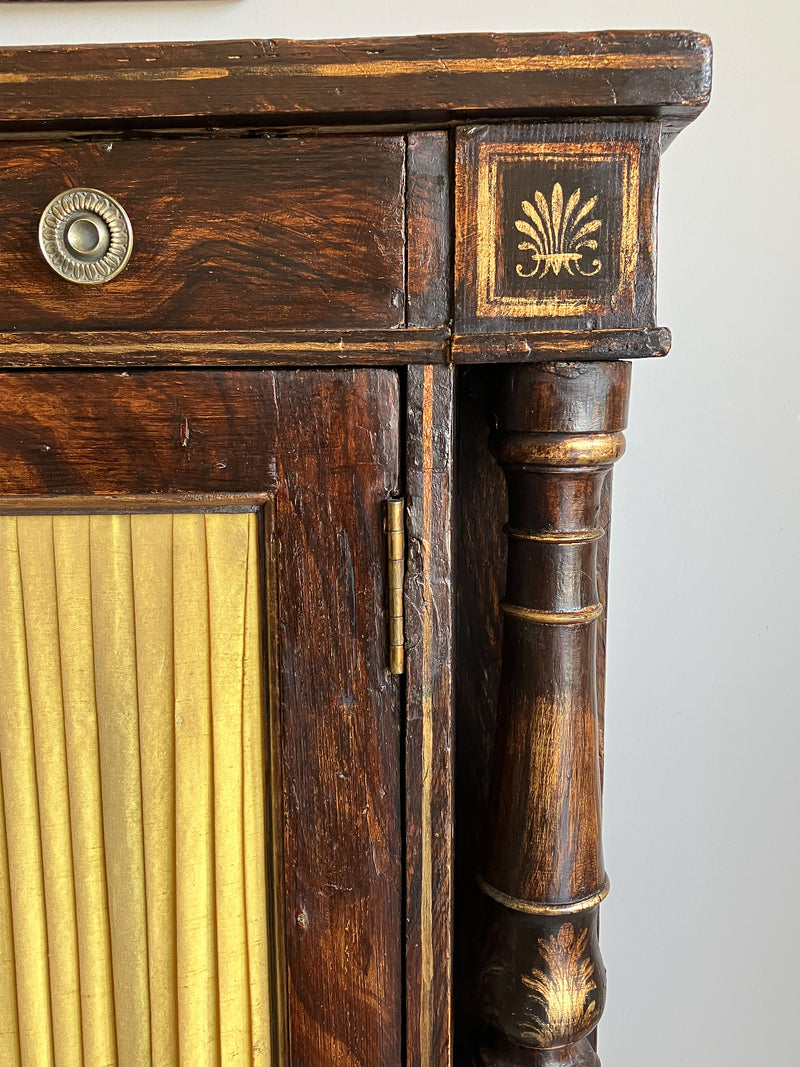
(85, 236)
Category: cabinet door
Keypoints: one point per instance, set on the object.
(200, 843)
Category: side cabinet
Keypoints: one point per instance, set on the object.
(314, 364)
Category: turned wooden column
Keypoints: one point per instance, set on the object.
(542, 980)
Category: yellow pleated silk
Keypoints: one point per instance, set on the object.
(134, 924)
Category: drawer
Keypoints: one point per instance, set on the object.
(228, 232)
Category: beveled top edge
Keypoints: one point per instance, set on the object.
(459, 77)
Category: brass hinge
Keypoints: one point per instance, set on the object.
(396, 554)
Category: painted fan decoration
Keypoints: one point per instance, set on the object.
(564, 991)
(559, 237)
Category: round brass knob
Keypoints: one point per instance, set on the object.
(85, 236)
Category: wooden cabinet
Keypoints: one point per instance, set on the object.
(311, 381)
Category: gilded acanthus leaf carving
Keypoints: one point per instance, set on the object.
(563, 990)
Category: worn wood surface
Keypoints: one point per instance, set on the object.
(603, 556)
(429, 252)
(342, 728)
(469, 77)
(233, 234)
(325, 446)
(430, 443)
(429, 716)
(480, 508)
(324, 348)
(554, 346)
(558, 433)
(592, 189)
(223, 348)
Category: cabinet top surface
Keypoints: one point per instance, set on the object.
(404, 80)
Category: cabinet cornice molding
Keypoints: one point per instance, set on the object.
(406, 80)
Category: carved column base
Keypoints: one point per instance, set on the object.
(501, 1053)
(542, 987)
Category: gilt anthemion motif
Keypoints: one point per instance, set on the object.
(558, 229)
(559, 237)
(564, 990)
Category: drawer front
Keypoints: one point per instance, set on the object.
(227, 233)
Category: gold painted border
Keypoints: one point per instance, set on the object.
(341, 347)
(427, 962)
(530, 907)
(133, 503)
(361, 66)
(492, 304)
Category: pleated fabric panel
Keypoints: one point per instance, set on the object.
(134, 926)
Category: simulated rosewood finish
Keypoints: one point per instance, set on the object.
(429, 462)
(230, 234)
(659, 73)
(430, 224)
(556, 346)
(481, 510)
(542, 978)
(343, 786)
(324, 447)
(222, 348)
(419, 204)
(430, 413)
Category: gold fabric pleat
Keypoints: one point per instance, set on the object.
(76, 639)
(227, 583)
(120, 777)
(9, 1026)
(151, 544)
(21, 804)
(198, 1013)
(38, 571)
(134, 926)
(255, 890)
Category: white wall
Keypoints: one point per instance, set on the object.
(703, 801)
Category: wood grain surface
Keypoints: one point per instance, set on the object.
(223, 348)
(480, 509)
(557, 345)
(342, 724)
(325, 445)
(429, 253)
(430, 443)
(468, 77)
(227, 234)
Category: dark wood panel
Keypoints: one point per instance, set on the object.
(227, 234)
(555, 345)
(341, 721)
(326, 444)
(224, 348)
(556, 227)
(480, 511)
(429, 716)
(468, 76)
(429, 253)
(136, 433)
